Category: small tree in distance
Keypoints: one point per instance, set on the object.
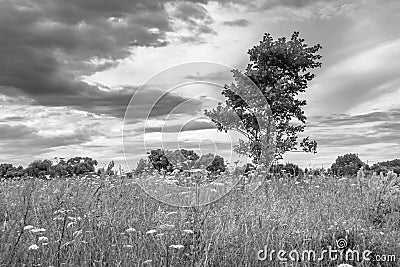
(347, 165)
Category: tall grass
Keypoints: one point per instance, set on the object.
(110, 221)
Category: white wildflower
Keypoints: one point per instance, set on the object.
(151, 231)
(28, 227)
(177, 246)
(130, 230)
(71, 224)
(188, 231)
(33, 247)
(38, 230)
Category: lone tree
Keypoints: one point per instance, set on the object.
(347, 165)
(281, 70)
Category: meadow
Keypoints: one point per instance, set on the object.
(109, 221)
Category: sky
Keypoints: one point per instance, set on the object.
(76, 76)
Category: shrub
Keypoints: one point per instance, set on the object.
(347, 165)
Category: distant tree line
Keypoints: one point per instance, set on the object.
(349, 164)
(181, 160)
(185, 160)
(46, 168)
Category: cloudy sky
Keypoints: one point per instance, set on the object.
(69, 69)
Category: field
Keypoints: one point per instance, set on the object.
(110, 221)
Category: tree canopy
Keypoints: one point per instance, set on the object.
(347, 165)
(281, 71)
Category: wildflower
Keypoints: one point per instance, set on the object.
(128, 246)
(177, 246)
(151, 231)
(43, 239)
(70, 224)
(33, 247)
(58, 218)
(130, 230)
(28, 227)
(187, 231)
(38, 230)
(147, 261)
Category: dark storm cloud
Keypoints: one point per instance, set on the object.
(237, 23)
(46, 46)
(196, 19)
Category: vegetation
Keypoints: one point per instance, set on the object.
(111, 221)
(385, 167)
(281, 70)
(182, 160)
(46, 168)
(347, 165)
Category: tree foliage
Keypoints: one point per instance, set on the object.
(10, 171)
(46, 168)
(159, 160)
(81, 165)
(183, 158)
(386, 166)
(166, 160)
(281, 70)
(290, 168)
(212, 163)
(39, 168)
(347, 165)
(142, 166)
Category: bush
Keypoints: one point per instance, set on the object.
(347, 165)
(159, 160)
(9, 171)
(211, 163)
